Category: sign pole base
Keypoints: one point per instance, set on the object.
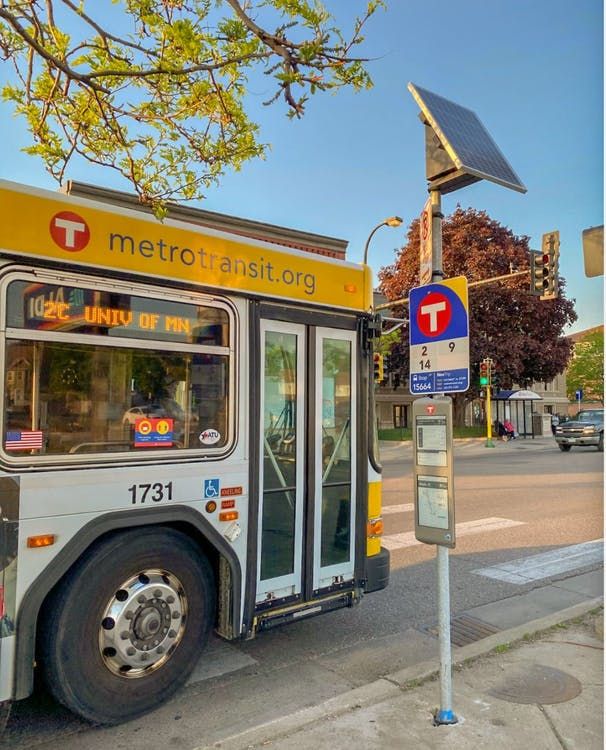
(444, 717)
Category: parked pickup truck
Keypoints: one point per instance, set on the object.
(586, 429)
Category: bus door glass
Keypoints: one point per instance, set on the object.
(282, 460)
(335, 434)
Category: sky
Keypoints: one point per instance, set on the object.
(532, 72)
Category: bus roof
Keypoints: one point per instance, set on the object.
(319, 244)
(90, 233)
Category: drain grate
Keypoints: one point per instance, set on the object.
(466, 629)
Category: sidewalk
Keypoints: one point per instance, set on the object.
(547, 440)
(539, 685)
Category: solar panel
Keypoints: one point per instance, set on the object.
(466, 141)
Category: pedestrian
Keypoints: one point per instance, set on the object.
(510, 431)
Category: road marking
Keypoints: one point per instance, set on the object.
(482, 525)
(546, 564)
(404, 508)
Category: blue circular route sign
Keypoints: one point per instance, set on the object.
(438, 312)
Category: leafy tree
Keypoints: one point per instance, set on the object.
(156, 89)
(521, 333)
(586, 370)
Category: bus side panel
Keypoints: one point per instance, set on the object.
(9, 529)
(7, 667)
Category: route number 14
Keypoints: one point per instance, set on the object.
(425, 364)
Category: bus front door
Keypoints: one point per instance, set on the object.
(307, 466)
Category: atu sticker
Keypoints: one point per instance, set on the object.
(210, 437)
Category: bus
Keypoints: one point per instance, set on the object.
(188, 442)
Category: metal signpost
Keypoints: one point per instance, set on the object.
(458, 152)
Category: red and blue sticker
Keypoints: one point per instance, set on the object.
(153, 433)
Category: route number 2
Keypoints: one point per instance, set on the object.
(425, 364)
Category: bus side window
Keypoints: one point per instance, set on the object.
(97, 392)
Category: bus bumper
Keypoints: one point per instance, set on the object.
(377, 571)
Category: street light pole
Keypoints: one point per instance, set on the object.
(392, 221)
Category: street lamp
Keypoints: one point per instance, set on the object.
(393, 221)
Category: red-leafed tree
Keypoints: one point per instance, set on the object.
(520, 332)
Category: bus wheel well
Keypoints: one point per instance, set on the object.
(125, 627)
(212, 554)
(221, 558)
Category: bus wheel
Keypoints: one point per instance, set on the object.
(124, 629)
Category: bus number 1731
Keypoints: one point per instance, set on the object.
(157, 492)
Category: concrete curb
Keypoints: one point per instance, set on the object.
(392, 685)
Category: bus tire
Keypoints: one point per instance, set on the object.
(123, 630)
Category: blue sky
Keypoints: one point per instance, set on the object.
(532, 71)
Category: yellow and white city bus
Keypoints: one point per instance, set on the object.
(187, 442)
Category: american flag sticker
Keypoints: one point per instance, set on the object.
(23, 440)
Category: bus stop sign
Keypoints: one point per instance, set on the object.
(439, 337)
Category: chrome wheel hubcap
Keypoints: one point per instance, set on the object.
(142, 623)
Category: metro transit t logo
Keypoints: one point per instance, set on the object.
(69, 231)
(438, 311)
(434, 314)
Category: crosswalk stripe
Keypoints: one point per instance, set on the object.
(404, 508)
(480, 526)
(546, 564)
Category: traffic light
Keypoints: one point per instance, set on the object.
(379, 372)
(485, 371)
(544, 267)
(550, 246)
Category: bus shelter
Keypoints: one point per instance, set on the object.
(516, 406)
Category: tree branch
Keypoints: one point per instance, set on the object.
(46, 55)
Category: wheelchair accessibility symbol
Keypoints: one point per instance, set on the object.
(211, 488)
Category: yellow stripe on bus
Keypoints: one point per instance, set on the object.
(374, 499)
(373, 544)
(43, 224)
